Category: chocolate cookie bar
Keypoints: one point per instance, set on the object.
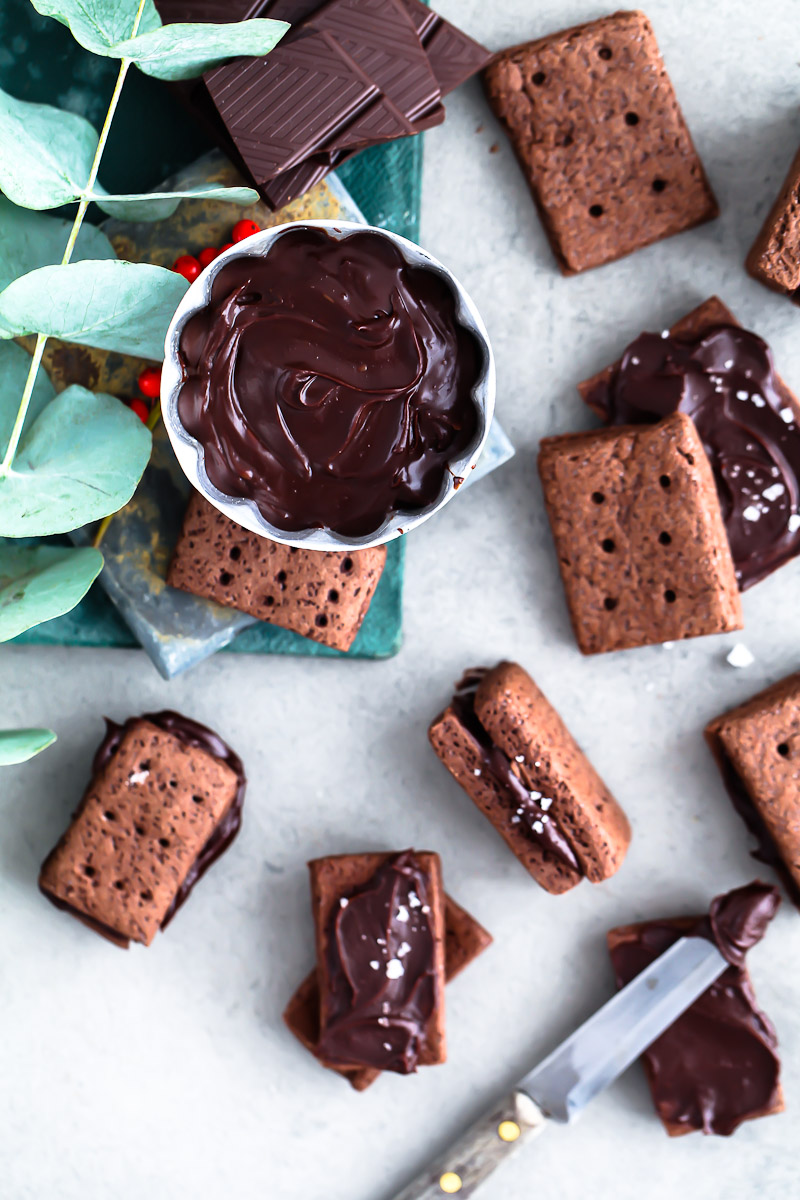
(164, 802)
(723, 377)
(319, 594)
(507, 747)
(639, 535)
(757, 749)
(598, 132)
(380, 932)
(465, 939)
(774, 257)
(716, 1066)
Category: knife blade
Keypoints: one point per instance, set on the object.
(590, 1059)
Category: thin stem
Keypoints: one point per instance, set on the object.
(41, 339)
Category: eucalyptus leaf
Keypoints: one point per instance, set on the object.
(18, 745)
(45, 154)
(115, 305)
(81, 460)
(177, 52)
(157, 206)
(14, 366)
(29, 240)
(38, 583)
(99, 25)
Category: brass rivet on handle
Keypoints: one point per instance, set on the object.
(450, 1183)
(509, 1131)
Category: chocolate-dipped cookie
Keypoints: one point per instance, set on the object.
(717, 1065)
(319, 594)
(164, 802)
(465, 939)
(723, 377)
(757, 749)
(507, 747)
(639, 535)
(597, 129)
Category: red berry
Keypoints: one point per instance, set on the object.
(187, 266)
(244, 229)
(207, 256)
(150, 382)
(227, 246)
(140, 408)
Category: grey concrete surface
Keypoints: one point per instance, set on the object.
(167, 1073)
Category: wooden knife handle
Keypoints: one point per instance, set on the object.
(462, 1169)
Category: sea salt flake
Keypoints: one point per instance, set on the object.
(138, 777)
(536, 795)
(742, 395)
(383, 1022)
(403, 950)
(373, 962)
(387, 1045)
(414, 900)
(426, 908)
(759, 401)
(477, 771)
(728, 364)
(519, 758)
(343, 903)
(538, 827)
(402, 913)
(394, 969)
(751, 513)
(787, 415)
(665, 333)
(773, 491)
(740, 656)
(546, 802)
(793, 524)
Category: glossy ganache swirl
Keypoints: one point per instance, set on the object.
(725, 380)
(329, 382)
(717, 1064)
(381, 970)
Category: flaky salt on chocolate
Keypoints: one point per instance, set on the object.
(322, 595)
(774, 257)
(757, 749)
(163, 804)
(465, 939)
(595, 125)
(507, 747)
(641, 545)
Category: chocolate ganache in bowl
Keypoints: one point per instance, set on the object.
(327, 383)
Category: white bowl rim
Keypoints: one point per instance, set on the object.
(244, 511)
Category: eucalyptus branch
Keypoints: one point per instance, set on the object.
(41, 340)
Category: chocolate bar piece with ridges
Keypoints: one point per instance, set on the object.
(757, 749)
(774, 257)
(507, 747)
(322, 595)
(164, 802)
(465, 939)
(595, 125)
(637, 527)
(723, 376)
(716, 1065)
(380, 934)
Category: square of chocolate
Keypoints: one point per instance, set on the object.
(723, 377)
(380, 933)
(465, 939)
(717, 1065)
(595, 125)
(507, 747)
(639, 535)
(322, 595)
(774, 257)
(164, 803)
(757, 749)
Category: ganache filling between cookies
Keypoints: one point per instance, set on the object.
(382, 972)
(192, 733)
(329, 382)
(530, 805)
(726, 382)
(717, 1064)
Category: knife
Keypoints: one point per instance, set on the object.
(561, 1086)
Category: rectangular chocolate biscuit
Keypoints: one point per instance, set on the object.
(641, 545)
(163, 803)
(465, 939)
(774, 257)
(595, 125)
(757, 749)
(322, 595)
(507, 747)
(380, 932)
